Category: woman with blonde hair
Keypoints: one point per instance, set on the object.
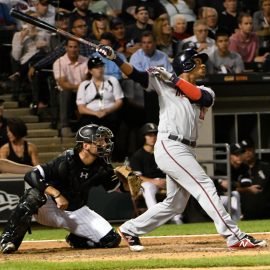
(100, 25)
(164, 38)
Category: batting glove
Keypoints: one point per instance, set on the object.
(106, 51)
(163, 74)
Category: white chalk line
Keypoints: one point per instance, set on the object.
(150, 237)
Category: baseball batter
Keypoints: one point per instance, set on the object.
(59, 192)
(182, 104)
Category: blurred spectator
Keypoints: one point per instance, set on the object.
(246, 42)
(228, 17)
(44, 11)
(127, 47)
(110, 68)
(38, 78)
(69, 71)
(217, 4)
(200, 40)
(239, 173)
(81, 12)
(164, 39)
(100, 25)
(255, 201)
(28, 46)
(134, 31)
(249, 6)
(210, 16)
(61, 22)
(144, 58)
(3, 125)
(7, 28)
(181, 7)
(116, 6)
(179, 26)
(101, 6)
(18, 149)
(154, 7)
(100, 99)
(222, 60)
(261, 22)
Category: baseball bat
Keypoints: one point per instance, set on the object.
(41, 24)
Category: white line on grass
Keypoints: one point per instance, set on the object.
(157, 237)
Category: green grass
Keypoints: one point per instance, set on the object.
(44, 233)
(146, 264)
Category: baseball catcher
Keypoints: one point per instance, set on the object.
(59, 193)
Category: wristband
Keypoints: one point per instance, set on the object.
(118, 61)
(174, 79)
(57, 196)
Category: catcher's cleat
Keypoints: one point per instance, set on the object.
(8, 248)
(133, 241)
(248, 242)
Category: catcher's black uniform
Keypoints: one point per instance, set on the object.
(68, 174)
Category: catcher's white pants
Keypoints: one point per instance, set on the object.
(82, 222)
(185, 176)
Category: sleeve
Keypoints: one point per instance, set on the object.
(50, 58)
(109, 180)
(17, 47)
(136, 61)
(239, 64)
(233, 45)
(80, 97)
(58, 70)
(208, 97)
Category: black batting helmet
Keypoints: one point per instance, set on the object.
(149, 128)
(184, 62)
(95, 61)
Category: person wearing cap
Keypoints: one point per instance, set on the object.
(127, 47)
(143, 163)
(255, 198)
(100, 25)
(69, 71)
(134, 31)
(154, 7)
(239, 176)
(3, 124)
(100, 97)
(58, 194)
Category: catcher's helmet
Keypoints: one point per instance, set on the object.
(99, 135)
(184, 62)
(95, 61)
(149, 128)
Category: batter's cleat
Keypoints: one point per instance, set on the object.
(133, 242)
(8, 248)
(248, 242)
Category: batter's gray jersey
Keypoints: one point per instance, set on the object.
(177, 115)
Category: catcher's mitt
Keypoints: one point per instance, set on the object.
(130, 180)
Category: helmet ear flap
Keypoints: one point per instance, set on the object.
(189, 65)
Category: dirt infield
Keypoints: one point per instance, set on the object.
(159, 248)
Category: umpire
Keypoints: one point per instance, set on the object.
(59, 192)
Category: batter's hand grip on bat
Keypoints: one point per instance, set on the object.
(32, 20)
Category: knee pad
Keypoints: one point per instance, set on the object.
(110, 240)
(20, 219)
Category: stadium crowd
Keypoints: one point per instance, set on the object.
(80, 86)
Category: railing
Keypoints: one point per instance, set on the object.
(220, 161)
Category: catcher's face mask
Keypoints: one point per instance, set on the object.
(102, 141)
